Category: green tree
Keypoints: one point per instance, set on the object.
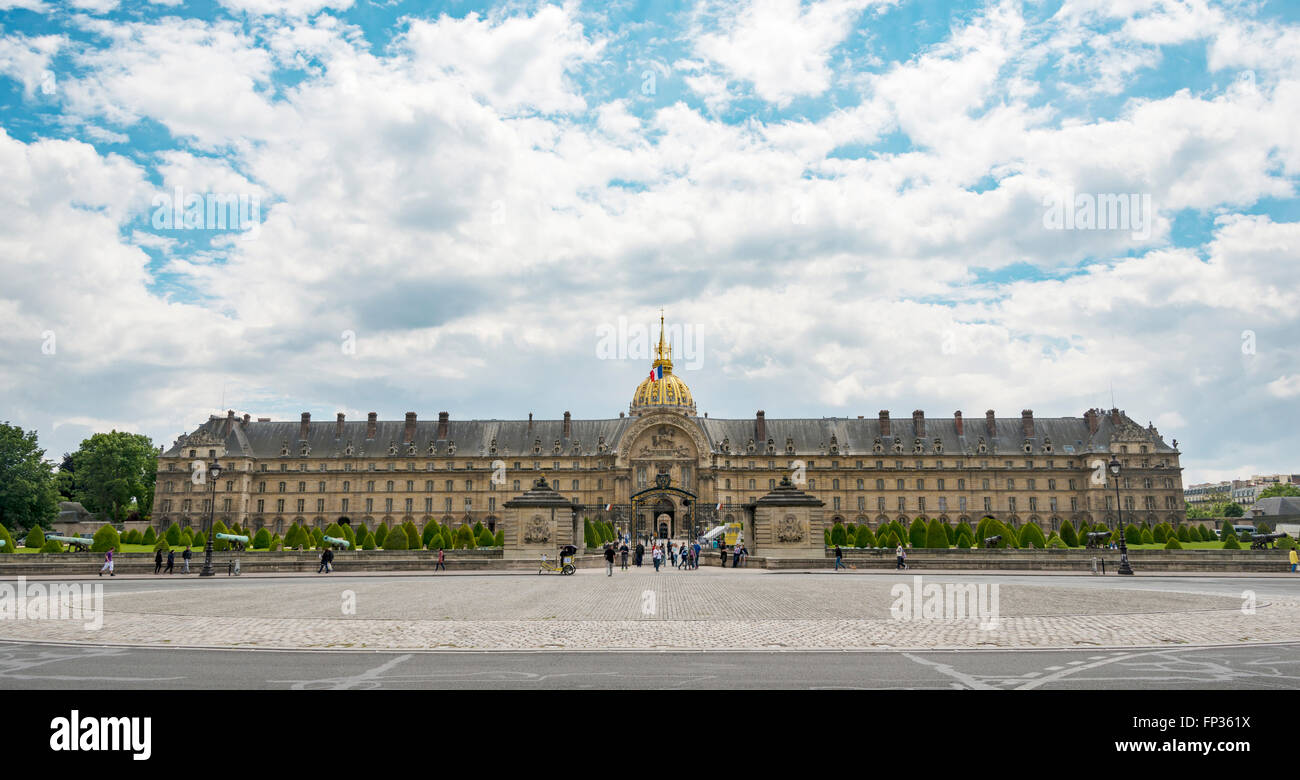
(1227, 532)
(1231, 543)
(1068, 535)
(589, 534)
(864, 537)
(1032, 536)
(396, 540)
(1132, 534)
(1173, 544)
(413, 541)
(35, 538)
(1280, 489)
(917, 533)
(52, 546)
(200, 540)
(115, 473)
(149, 537)
(1159, 534)
(106, 539)
(174, 534)
(318, 537)
(1234, 510)
(464, 538)
(1147, 538)
(1183, 534)
(839, 536)
(381, 533)
(161, 544)
(369, 542)
(276, 543)
(29, 495)
(8, 539)
(500, 539)
(487, 539)
(426, 535)
(935, 537)
(219, 544)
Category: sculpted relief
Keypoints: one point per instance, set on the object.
(664, 441)
(536, 530)
(789, 529)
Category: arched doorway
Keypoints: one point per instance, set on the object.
(664, 514)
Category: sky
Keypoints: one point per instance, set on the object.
(279, 206)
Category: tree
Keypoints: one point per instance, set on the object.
(1159, 534)
(174, 534)
(395, 540)
(864, 537)
(839, 536)
(1234, 510)
(149, 537)
(426, 535)
(162, 545)
(35, 538)
(1183, 534)
(1172, 543)
(1132, 535)
(589, 534)
(1227, 532)
(381, 533)
(413, 541)
(464, 538)
(219, 544)
(1280, 489)
(1032, 536)
(369, 542)
(200, 540)
(1147, 538)
(487, 539)
(106, 539)
(935, 537)
(29, 495)
(917, 533)
(115, 472)
(1068, 535)
(500, 539)
(52, 546)
(1231, 543)
(8, 539)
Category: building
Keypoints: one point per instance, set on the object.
(1239, 491)
(661, 468)
(1207, 493)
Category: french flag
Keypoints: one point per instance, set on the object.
(656, 373)
(608, 507)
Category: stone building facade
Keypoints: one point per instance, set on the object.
(662, 469)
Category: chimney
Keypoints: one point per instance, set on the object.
(302, 427)
(961, 424)
(442, 425)
(918, 423)
(530, 421)
(1027, 423)
(1093, 423)
(247, 418)
(408, 434)
(230, 422)
(338, 427)
(884, 422)
(760, 426)
(568, 429)
(990, 424)
(370, 425)
(1114, 416)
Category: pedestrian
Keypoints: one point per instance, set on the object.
(1295, 559)
(640, 553)
(658, 555)
(672, 553)
(695, 555)
(108, 564)
(324, 561)
(441, 564)
(735, 556)
(722, 550)
(185, 558)
(899, 555)
(839, 558)
(157, 561)
(622, 555)
(609, 560)
(171, 562)
(329, 559)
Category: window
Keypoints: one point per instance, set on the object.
(1011, 484)
(469, 485)
(428, 505)
(370, 486)
(260, 503)
(961, 484)
(920, 504)
(410, 486)
(410, 505)
(345, 505)
(575, 484)
(988, 504)
(943, 504)
(880, 503)
(388, 486)
(900, 485)
(1011, 503)
(920, 484)
(859, 484)
(281, 487)
(370, 505)
(451, 486)
(320, 505)
(771, 484)
(961, 503)
(940, 485)
(836, 501)
(1051, 484)
(279, 505)
(347, 486)
(388, 505)
(320, 487)
(862, 503)
(902, 503)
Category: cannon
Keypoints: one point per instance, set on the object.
(1262, 541)
(1098, 539)
(239, 541)
(344, 543)
(992, 541)
(82, 542)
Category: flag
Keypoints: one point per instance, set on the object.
(608, 507)
(656, 373)
(718, 507)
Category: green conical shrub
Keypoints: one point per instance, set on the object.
(1132, 534)
(149, 537)
(1232, 544)
(935, 537)
(276, 543)
(1056, 543)
(864, 537)
(262, 539)
(1172, 544)
(1147, 538)
(1227, 532)
(1183, 534)
(500, 539)
(51, 546)
(162, 544)
(413, 541)
(8, 547)
(839, 536)
(173, 534)
(429, 531)
(35, 538)
(219, 544)
(917, 533)
(486, 539)
(395, 540)
(106, 539)
(465, 538)
(200, 540)
(381, 533)
(318, 537)
(1159, 535)
(1068, 536)
(1032, 536)
(368, 543)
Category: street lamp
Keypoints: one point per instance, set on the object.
(214, 473)
(1124, 567)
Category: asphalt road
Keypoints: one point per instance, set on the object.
(63, 667)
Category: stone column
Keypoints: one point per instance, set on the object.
(788, 524)
(536, 522)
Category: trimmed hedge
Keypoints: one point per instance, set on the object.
(173, 534)
(864, 537)
(381, 533)
(52, 546)
(839, 536)
(262, 539)
(35, 538)
(8, 538)
(1068, 536)
(935, 537)
(1172, 544)
(1032, 536)
(918, 532)
(106, 539)
(396, 540)
(1231, 543)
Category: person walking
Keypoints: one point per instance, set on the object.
(185, 558)
(1295, 559)
(324, 561)
(108, 564)
(157, 561)
(899, 555)
(171, 562)
(609, 560)
(695, 555)
(442, 560)
(839, 558)
(735, 556)
(658, 555)
(640, 553)
(722, 550)
(622, 555)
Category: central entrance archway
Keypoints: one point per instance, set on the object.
(668, 507)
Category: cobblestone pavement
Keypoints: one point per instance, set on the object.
(707, 609)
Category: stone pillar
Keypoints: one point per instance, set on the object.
(788, 524)
(536, 522)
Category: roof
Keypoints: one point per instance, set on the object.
(807, 436)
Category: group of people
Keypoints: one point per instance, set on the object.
(158, 562)
(666, 552)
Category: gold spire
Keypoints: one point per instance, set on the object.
(669, 393)
(664, 353)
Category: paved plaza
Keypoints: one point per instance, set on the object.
(709, 609)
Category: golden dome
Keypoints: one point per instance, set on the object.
(667, 392)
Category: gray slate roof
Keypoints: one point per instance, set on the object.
(515, 438)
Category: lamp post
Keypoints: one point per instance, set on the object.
(1124, 567)
(214, 473)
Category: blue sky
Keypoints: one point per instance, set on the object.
(845, 200)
